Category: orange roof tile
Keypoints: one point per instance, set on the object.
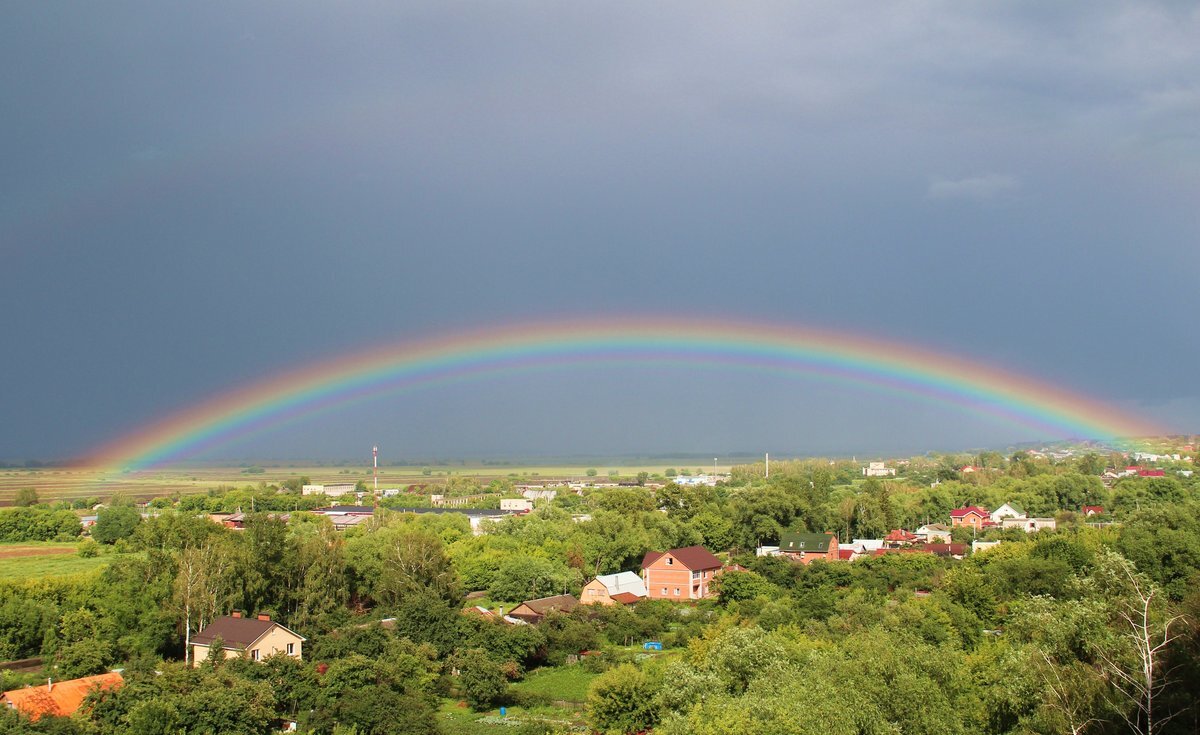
(60, 699)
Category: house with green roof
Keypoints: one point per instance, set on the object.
(1008, 510)
(805, 547)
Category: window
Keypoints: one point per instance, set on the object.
(670, 562)
(664, 591)
(695, 576)
(291, 649)
(677, 592)
(254, 655)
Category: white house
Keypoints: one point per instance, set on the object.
(1029, 525)
(878, 469)
(934, 533)
(516, 505)
(330, 490)
(1008, 510)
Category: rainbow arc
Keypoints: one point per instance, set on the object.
(804, 351)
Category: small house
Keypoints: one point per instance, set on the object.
(532, 611)
(971, 516)
(256, 637)
(807, 547)
(624, 588)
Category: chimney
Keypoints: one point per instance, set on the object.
(501, 610)
(49, 684)
(264, 616)
(236, 613)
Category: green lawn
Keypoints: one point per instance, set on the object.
(22, 560)
(456, 720)
(567, 683)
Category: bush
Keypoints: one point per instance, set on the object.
(621, 701)
(88, 548)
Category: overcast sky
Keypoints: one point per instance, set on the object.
(193, 195)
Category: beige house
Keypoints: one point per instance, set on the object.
(624, 588)
(256, 638)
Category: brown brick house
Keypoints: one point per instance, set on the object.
(679, 574)
(807, 547)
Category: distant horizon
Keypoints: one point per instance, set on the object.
(584, 458)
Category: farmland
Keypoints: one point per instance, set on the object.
(78, 484)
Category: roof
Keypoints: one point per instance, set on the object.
(963, 512)
(1097, 509)
(237, 632)
(946, 549)
(934, 527)
(1014, 508)
(336, 509)
(623, 582)
(795, 543)
(626, 598)
(62, 698)
(694, 558)
(900, 535)
(846, 554)
(543, 605)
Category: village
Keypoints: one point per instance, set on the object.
(593, 550)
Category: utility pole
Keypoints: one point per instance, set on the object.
(768, 461)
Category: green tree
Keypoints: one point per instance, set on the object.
(116, 522)
(621, 701)
(26, 496)
(481, 678)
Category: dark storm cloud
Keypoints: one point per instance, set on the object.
(193, 196)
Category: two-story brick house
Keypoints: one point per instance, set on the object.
(679, 574)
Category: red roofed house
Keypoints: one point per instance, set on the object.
(1152, 473)
(58, 698)
(1093, 510)
(972, 516)
(899, 537)
(679, 574)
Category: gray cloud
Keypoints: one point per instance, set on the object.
(975, 188)
(183, 209)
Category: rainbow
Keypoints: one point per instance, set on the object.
(862, 360)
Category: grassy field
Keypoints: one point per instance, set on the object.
(566, 683)
(46, 559)
(454, 719)
(78, 483)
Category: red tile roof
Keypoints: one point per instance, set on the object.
(963, 512)
(61, 698)
(625, 598)
(900, 535)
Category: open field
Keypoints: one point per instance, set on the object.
(454, 719)
(65, 483)
(47, 559)
(567, 683)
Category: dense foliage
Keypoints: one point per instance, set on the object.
(1046, 633)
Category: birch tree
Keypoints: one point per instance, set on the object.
(1146, 631)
